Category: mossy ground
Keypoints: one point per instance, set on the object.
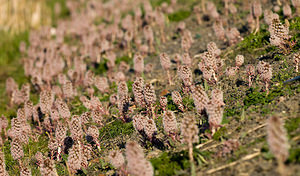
(246, 108)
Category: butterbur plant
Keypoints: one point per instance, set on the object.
(139, 122)
(75, 128)
(39, 158)
(150, 129)
(185, 44)
(177, 58)
(74, 158)
(63, 108)
(48, 168)
(186, 59)
(123, 100)
(197, 11)
(149, 36)
(257, 11)
(217, 97)
(46, 100)
(136, 162)
(287, 11)
(150, 98)
(116, 158)
(166, 65)
(250, 69)
(233, 35)
(229, 146)
(16, 149)
(138, 62)
(210, 65)
(3, 124)
(189, 134)
(67, 88)
(279, 35)
(128, 36)
(25, 171)
(296, 4)
(200, 98)
(170, 124)
(219, 30)
(138, 91)
(264, 70)
(102, 84)
(185, 74)
(214, 109)
(163, 102)
(239, 60)
(278, 142)
(231, 72)
(2, 165)
(11, 85)
(296, 60)
(213, 49)
(94, 132)
(86, 155)
(176, 97)
(60, 135)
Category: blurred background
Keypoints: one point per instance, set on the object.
(17, 18)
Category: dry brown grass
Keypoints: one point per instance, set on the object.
(17, 16)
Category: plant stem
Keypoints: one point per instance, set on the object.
(193, 169)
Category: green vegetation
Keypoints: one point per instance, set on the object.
(188, 103)
(156, 3)
(9, 47)
(171, 105)
(100, 68)
(77, 107)
(170, 163)
(292, 124)
(115, 129)
(254, 41)
(255, 97)
(64, 11)
(295, 24)
(179, 15)
(11, 164)
(125, 58)
(220, 134)
(294, 156)
(10, 65)
(174, 163)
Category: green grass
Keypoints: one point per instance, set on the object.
(156, 3)
(292, 124)
(64, 13)
(295, 24)
(170, 163)
(9, 46)
(125, 58)
(177, 163)
(171, 105)
(116, 129)
(221, 133)
(254, 41)
(179, 15)
(10, 65)
(32, 148)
